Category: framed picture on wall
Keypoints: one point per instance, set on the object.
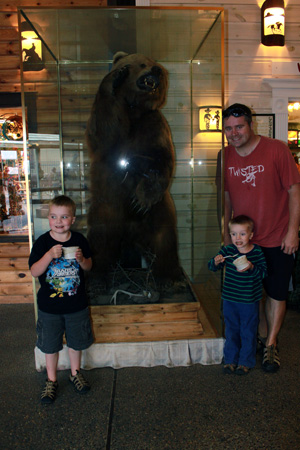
(264, 124)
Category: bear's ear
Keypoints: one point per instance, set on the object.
(118, 56)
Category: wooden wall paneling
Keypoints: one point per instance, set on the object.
(247, 62)
(14, 4)
(8, 19)
(15, 277)
(14, 250)
(9, 49)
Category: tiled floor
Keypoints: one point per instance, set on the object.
(193, 408)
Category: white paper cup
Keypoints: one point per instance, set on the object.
(241, 262)
(69, 252)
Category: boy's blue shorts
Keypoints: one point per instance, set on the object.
(52, 327)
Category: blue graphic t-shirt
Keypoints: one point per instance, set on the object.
(62, 287)
(63, 276)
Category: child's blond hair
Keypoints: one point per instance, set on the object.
(63, 200)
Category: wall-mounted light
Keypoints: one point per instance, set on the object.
(210, 118)
(272, 23)
(31, 48)
(293, 106)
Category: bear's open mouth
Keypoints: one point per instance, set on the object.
(148, 82)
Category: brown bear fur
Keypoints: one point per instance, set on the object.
(131, 206)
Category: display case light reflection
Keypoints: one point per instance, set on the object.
(123, 163)
(192, 163)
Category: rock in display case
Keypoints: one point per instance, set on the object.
(73, 52)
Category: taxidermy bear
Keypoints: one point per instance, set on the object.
(132, 163)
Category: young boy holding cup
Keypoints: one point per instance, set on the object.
(242, 290)
(62, 301)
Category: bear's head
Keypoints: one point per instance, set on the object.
(139, 80)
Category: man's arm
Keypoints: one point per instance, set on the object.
(227, 217)
(290, 242)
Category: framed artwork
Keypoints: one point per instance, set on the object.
(264, 124)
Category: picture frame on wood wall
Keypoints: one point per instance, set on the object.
(264, 124)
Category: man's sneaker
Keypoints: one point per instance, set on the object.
(271, 361)
(49, 392)
(79, 382)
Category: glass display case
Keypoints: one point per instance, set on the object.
(59, 87)
(13, 209)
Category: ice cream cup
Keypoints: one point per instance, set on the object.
(241, 263)
(69, 252)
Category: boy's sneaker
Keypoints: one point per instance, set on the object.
(49, 392)
(79, 382)
(271, 361)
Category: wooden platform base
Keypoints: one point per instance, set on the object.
(154, 322)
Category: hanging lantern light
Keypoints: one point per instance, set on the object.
(31, 48)
(272, 23)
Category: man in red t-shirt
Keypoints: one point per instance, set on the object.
(262, 181)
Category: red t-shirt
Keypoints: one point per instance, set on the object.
(258, 186)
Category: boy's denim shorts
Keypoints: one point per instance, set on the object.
(52, 327)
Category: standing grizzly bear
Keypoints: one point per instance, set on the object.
(132, 163)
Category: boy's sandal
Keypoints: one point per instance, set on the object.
(229, 368)
(242, 370)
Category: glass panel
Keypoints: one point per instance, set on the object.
(78, 46)
(206, 239)
(90, 35)
(42, 100)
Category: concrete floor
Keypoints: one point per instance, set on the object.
(193, 408)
